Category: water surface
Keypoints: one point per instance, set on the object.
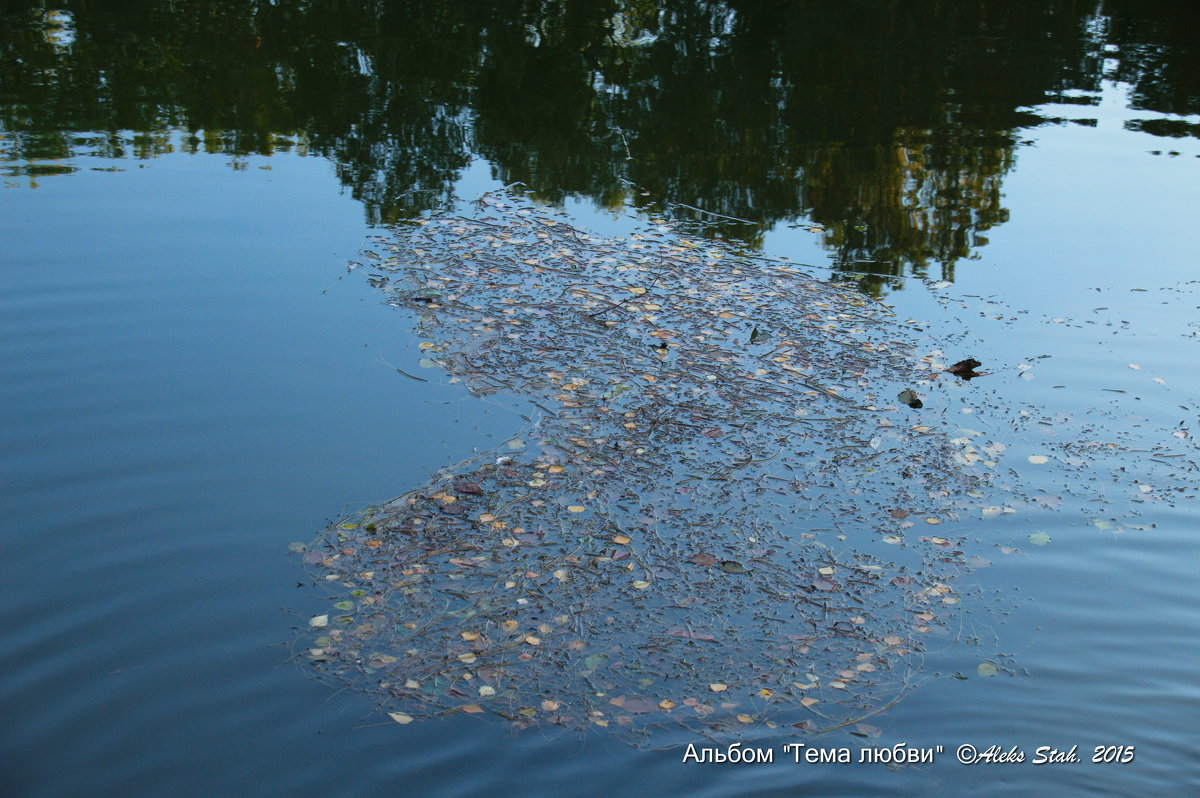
(192, 379)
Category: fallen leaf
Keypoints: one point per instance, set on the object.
(400, 717)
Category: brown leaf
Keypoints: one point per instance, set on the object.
(638, 706)
(675, 630)
(703, 558)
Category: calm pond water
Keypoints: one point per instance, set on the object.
(191, 378)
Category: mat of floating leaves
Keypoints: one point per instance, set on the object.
(708, 524)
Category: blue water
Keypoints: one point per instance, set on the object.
(190, 380)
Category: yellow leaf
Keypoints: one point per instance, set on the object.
(487, 518)
(641, 584)
(666, 704)
(808, 702)
(576, 508)
(717, 687)
(745, 718)
(621, 539)
(636, 290)
(470, 635)
(474, 709)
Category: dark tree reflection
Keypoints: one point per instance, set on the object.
(889, 126)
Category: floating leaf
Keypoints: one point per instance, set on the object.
(718, 687)
(987, 669)
(639, 706)
(400, 717)
(1038, 459)
(1039, 538)
(866, 730)
(690, 634)
(732, 567)
(318, 621)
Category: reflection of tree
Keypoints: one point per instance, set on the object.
(1157, 53)
(890, 126)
